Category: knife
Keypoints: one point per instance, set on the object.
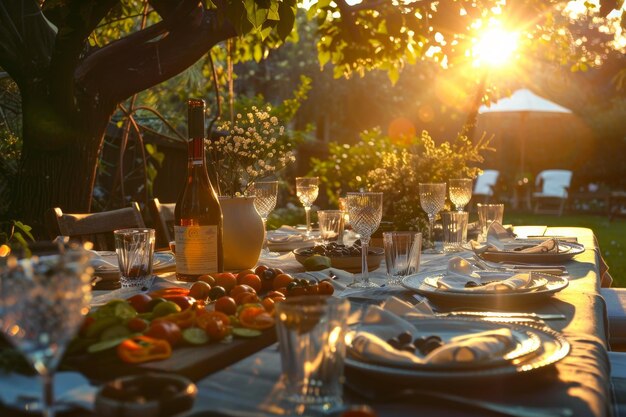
(495, 314)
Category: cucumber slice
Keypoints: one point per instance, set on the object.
(195, 336)
(244, 332)
(117, 331)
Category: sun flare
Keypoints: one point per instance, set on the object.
(495, 47)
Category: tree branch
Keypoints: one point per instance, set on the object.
(138, 62)
(78, 20)
(26, 39)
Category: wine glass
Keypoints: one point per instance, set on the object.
(307, 189)
(265, 195)
(42, 304)
(366, 211)
(460, 192)
(432, 200)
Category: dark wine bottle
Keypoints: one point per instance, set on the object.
(198, 214)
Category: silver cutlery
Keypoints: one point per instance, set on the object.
(504, 409)
(493, 266)
(505, 315)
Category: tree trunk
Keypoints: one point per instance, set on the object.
(61, 174)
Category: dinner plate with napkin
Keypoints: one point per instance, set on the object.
(288, 238)
(464, 344)
(471, 350)
(461, 276)
(502, 246)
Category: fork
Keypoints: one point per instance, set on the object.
(503, 409)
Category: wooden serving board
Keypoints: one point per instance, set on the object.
(193, 362)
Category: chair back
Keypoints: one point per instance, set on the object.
(554, 182)
(486, 182)
(93, 227)
(163, 218)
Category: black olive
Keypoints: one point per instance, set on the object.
(405, 338)
(292, 285)
(471, 284)
(394, 343)
(409, 347)
(430, 345)
(419, 342)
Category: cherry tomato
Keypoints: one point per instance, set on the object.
(268, 304)
(246, 298)
(209, 279)
(226, 305)
(226, 280)
(140, 302)
(166, 330)
(251, 280)
(184, 302)
(240, 289)
(137, 325)
(200, 290)
(326, 288)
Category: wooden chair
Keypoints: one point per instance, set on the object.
(553, 185)
(93, 227)
(163, 219)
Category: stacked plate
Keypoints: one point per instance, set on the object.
(107, 273)
(541, 286)
(534, 348)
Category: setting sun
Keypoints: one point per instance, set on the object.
(495, 47)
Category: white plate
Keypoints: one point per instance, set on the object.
(537, 282)
(553, 347)
(567, 250)
(416, 282)
(163, 262)
(526, 342)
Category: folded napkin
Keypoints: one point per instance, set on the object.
(287, 234)
(104, 261)
(371, 345)
(500, 239)
(460, 273)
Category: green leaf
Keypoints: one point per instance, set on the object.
(257, 52)
(257, 15)
(323, 3)
(24, 228)
(287, 19)
(273, 12)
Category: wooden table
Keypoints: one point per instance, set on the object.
(580, 381)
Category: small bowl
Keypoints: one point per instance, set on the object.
(148, 395)
(352, 264)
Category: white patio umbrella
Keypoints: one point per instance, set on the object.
(523, 102)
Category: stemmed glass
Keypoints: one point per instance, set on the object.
(42, 304)
(460, 192)
(366, 211)
(307, 189)
(432, 200)
(265, 195)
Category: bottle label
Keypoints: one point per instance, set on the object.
(196, 249)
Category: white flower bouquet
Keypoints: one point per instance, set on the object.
(254, 146)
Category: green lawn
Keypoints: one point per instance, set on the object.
(611, 235)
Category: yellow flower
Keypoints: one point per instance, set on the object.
(4, 251)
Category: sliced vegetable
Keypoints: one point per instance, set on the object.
(245, 332)
(115, 332)
(183, 319)
(256, 318)
(141, 349)
(195, 336)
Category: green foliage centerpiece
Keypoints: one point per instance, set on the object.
(380, 163)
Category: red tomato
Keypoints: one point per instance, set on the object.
(137, 325)
(326, 288)
(246, 298)
(252, 280)
(226, 280)
(183, 301)
(140, 302)
(226, 305)
(238, 289)
(215, 323)
(165, 330)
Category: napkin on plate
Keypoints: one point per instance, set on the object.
(104, 261)
(500, 239)
(286, 234)
(460, 272)
(371, 345)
